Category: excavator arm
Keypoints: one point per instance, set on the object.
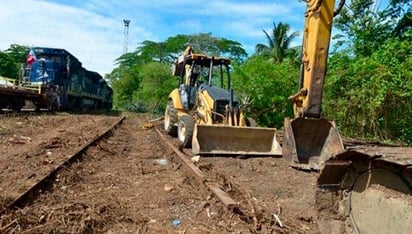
(316, 37)
(361, 189)
(310, 140)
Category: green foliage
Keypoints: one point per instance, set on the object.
(143, 77)
(124, 83)
(365, 27)
(11, 60)
(154, 51)
(205, 43)
(264, 87)
(368, 89)
(156, 84)
(278, 43)
(371, 96)
(369, 86)
(404, 25)
(129, 60)
(7, 65)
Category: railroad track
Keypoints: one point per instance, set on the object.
(14, 114)
(33, 112)
(232, 200)
(243, 203)
(30, 192)
(244, 208)
(123, 173)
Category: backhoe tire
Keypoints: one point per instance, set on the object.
(185, 128)
(170, 120)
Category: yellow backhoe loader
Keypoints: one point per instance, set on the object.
(361, 189)
(204, 114)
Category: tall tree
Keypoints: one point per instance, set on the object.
(263, 87)
(371, 96)
(278, 42)
(170, 49)
(7, 65)
(134, 78)
(366, 25)
(214, 46)
(153, 51)
(368, 91)
(12, 59)
(157, 82)
(124, 82)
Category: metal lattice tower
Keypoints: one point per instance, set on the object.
(126, 34)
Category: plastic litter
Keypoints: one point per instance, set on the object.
(162, 161)
(176, 222)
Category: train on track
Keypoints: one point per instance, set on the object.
(54, 79)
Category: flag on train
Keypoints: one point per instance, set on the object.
(31, 57)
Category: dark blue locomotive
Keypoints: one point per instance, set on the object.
(63, 82)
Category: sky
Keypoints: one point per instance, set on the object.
(93, 30)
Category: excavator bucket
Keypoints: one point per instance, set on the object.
(308, 143)
(228, 140)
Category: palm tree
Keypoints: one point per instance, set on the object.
(278, 42)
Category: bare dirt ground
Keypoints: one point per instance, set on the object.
(129, 182)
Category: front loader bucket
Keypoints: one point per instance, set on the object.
(228, 140)
(308, 143)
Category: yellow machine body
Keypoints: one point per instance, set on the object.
(206, 115)
(310, 140)
(361, 188)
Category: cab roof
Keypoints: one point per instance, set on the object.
(203, 60)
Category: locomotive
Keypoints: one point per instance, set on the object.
(65, 83)
(61, 82)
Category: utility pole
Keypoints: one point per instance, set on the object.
(126, 34)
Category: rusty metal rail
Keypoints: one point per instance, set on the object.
(247, 214)
(219, 193)
(30, 193)
(24, 113)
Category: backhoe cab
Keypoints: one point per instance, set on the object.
(204, 114)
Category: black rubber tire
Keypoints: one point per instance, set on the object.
(170, 120)
(185, 128)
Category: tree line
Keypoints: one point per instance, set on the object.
(368, 86)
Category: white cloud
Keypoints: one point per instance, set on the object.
(95, 40)
(92, 30)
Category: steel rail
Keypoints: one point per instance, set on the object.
(30, 194)
(185, 158)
